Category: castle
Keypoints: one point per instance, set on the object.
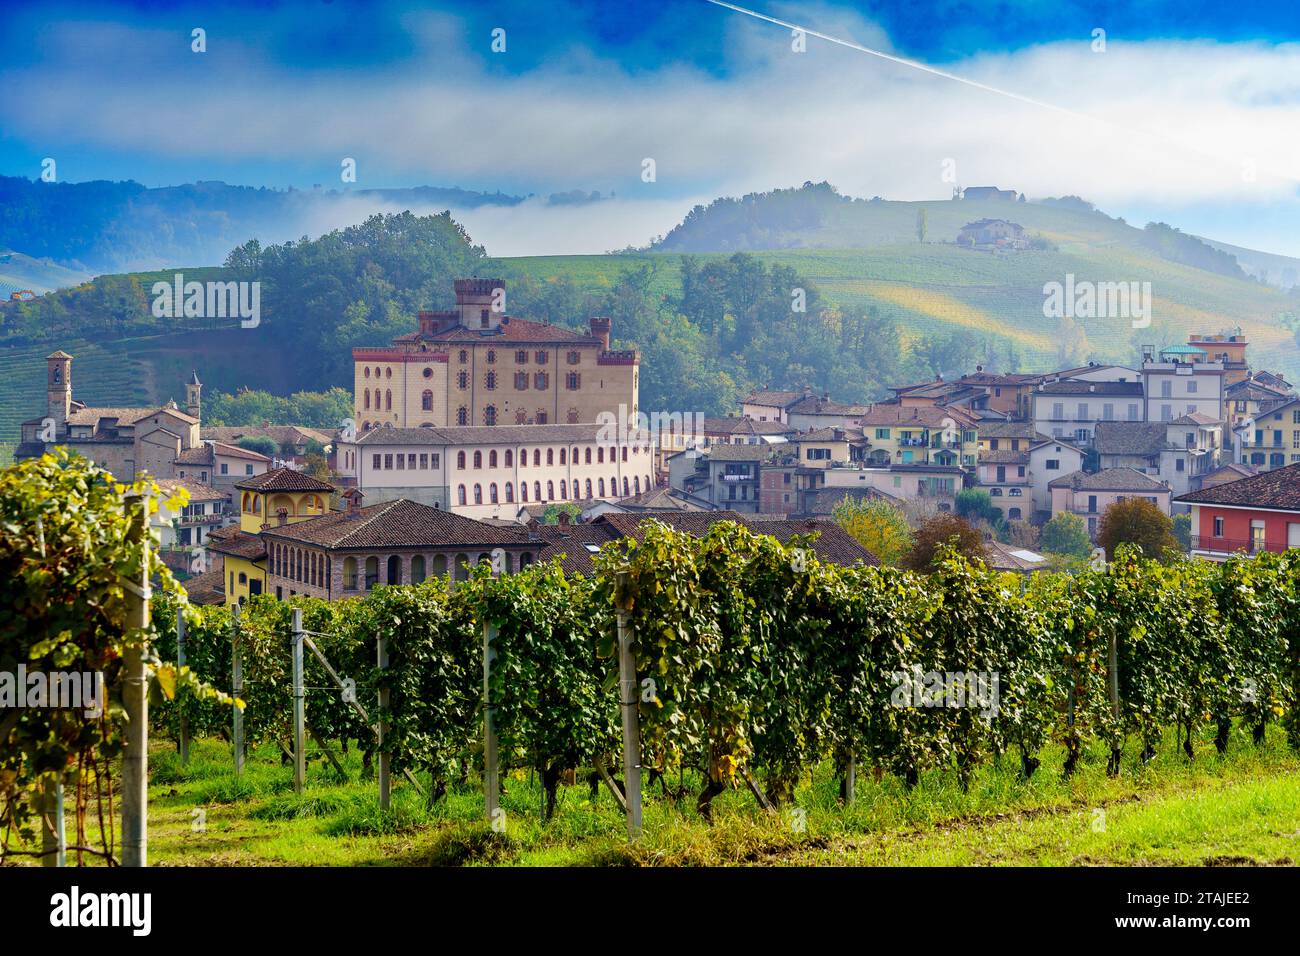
(476, 365)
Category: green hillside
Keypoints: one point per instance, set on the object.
(930, 287)
(19, 272)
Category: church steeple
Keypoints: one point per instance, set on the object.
(193, 395)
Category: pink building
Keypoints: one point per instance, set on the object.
(1088, 496)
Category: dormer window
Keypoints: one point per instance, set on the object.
(483, 319)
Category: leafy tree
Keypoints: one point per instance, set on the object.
(876, 525)
(1066, 533)
(921, 218)
(260, 444)
(1136, 521)
(552, 513)
(936, 535)
(975, 504)
(1183, 531)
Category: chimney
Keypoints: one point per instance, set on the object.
(281, 517)
(563, 519)
(600, 327)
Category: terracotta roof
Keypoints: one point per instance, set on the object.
(664, 499)
(1004, 456)
(1196, 418)
(739, 452)
(280, 434)
(773, 398)
(833, 543)
(1131, 438)
(1005, 429)
(1090, 388)
(829, 433)
(239, 544)
(822, 501)
(283, 479)
(396, 524)
(824, 406)
(208, 587)
(926, 416)
(205, 454)
(1277, 490)
(124, 415)
(198, 491)
(744, 426)
(483, 434)
(1109, 479)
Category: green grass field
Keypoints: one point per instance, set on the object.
(1241, 809)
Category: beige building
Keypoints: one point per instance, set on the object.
(476, 365)
(489, 471)
(125, 440)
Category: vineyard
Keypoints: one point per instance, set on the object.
(758, 671)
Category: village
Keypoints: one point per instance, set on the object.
(481, 436)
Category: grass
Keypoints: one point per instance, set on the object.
(1240, 809)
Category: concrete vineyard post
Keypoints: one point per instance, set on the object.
(237, 688)
(54, 839)
(491, 780)
(299, 707)
(627, 686)
(385, 785)
(135, 699)
(180, 662)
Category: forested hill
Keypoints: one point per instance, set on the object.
(104, 226)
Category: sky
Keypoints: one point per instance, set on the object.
(1186, 112)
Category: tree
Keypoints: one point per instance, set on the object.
(876, 525)
(944, 529)
(1183, 531)
(1066, 534)
(921, 218)
(1136, 521)
(975, 504)
(552, 513)
(260, 444)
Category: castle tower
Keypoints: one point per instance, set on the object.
(193, 395)
(474, 300)
(58, 385)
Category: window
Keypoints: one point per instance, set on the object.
(1166, 413)
(388, 399)
(388, 462)
(424, 461)
(563, 456)
(541, 416)
(564, 489)
(417, 569)
(537, 458)
(882, 432)
(587, 456)
(1191, 386)
(375, 462)
(483, 320)
(490, 381)
(1179, 465)
(401, 462)
(1058, 411)
(367, 394)
(492, 493)
(521, 357)
(510, 492)
(542, 358)
(435, 460)
(550, 456)
(478, 494)
(426, 400)
(367, 371)
(541, 381)
(573, 381)
(537, 491)
(1052, 464)
(1133, 413)
(428, 371)
(600, 455)
(523, 491)
(349, 573)
(1092, 503)
(492, 356)
(550, 491)
(463, 356)
(574, 358)
(225, 468)
(1218, 527)
(589, 488)
(1166, 389)
(460, 494)
(602, 487)
(510, 456)
(478, 460)
(521, 417)
(462, 416)
(489, 415)
(462, 379)
(572, 416)
(460, 461)
(248, 470)
(1083, 412)
(521, 381)
(492, 459)
(1108, 412)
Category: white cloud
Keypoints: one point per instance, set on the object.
(1184, 123)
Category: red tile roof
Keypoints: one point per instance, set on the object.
(284, 479)
(1277, 490)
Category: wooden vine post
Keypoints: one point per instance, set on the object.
(627, 694)
(180, 662)
(491, 774)
(135, 699)
(54, 840)
(237, 688)
(851, 778)
(385, 784)
(299, 707)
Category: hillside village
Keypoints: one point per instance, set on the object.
(481, 436)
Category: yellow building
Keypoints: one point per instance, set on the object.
(277, 498)
(477, 365)
(925, 435)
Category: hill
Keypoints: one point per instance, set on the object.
(20, 273)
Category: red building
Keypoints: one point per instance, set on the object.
(1260, 513)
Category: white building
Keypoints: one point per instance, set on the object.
(487, 471)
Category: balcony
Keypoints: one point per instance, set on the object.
(1218, 545)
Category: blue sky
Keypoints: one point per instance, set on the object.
(1190, 113)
